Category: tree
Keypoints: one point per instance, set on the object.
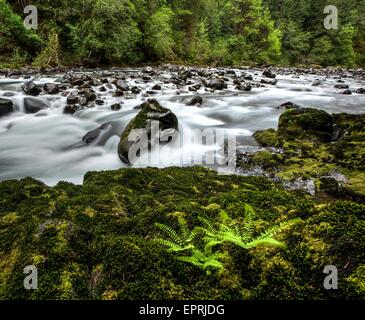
(345, 52)
(159, 35)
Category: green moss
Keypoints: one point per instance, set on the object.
(94, 241)
(266, 138)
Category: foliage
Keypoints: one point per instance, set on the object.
(228, 231)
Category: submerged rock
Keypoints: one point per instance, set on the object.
(140, 126)
(6, 107)
(197, 100)
(101, 135)
(34, 105)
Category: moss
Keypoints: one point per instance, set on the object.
(95, 241)
(266, 138)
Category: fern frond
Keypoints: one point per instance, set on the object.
(249, 223)
(273, 231)
(170, 232)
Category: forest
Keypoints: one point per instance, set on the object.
(197, 32)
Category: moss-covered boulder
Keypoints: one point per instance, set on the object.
(306, 124)
(140, 130)
(266, 138)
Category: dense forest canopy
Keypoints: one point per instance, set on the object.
(214, 32)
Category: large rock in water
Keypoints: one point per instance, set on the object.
(306, 123)
(31, 88)
(6, 107)
(34, 105)
(151, 111)
(101, 135)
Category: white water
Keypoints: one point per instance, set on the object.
(41, 145)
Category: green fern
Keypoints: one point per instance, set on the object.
(204, 261)
(181, 241)
(244, 236)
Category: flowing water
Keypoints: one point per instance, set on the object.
(42, 145)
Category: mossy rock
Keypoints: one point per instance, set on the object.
(266, 138)
(306, 124)
(151, 111)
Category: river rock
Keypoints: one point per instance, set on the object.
(197, 100)
(34, 105)
(289, 106)
(360, 91)
(217, 84)
(244, 87)
(101, 135)
(6, 107)
(51, 88)
(141, 124)
(269, 74)
(30, 88)
(306, 123)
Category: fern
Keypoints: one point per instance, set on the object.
(178, 241)
(215, 234)
(242, 237)
(204, 261)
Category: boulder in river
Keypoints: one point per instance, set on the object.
(34, 105)
(244, 87)
(360, 91)
(101, 135)
(306, 123)
(6, 107)
(269, 74)
(289, 106)
(51, 88)
(141, 127)
(217, 84)
(30, 88)
(272, 82)
(197, 100)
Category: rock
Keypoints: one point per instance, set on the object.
(30, 88)
(268, 81)
(73, 99)
(90, 95)
(51, 88)
(289, 106)
(71, 109)
(341, 86)
(244, 87)
(266, 138)
(316, 83)
(306, 123)
(157, 87)
(217, 84)
(141, 124)
(116, 107)
(34, 105)
(122, 85)
(347, 91)
(136, 90)
(329, 186)
(269, 74)
(195, 87)
(248, 77)
(101, 135)
(148, 70)
(197, 100)
(360, 91)
(6, 107)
